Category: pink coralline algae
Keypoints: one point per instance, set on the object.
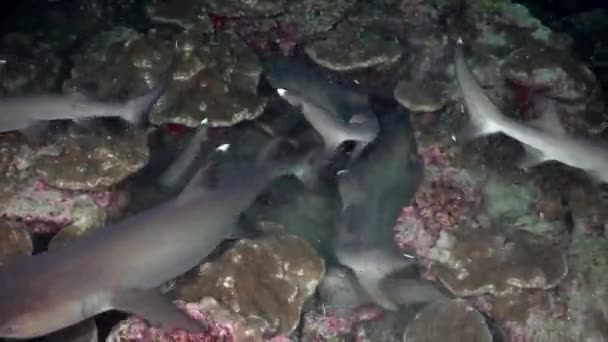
(47, 209)
(222, 326)
(410, 234)
(261, 33)
(437, 155)
(446, 198)
(328, 323)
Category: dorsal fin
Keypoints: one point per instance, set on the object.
(197, 184)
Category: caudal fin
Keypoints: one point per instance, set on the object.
(483, 113)
(137, 109)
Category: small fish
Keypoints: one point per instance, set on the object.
(121, 266)
(373, 191)
(337, 114)
(544, 139)
(31, 114)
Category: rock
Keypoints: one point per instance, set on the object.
(389, 327)
(27, 65)
(428, 53)
(575, 311)
(40, 207)
(329, 324)
(86, 220)
(448, 321)
(269, 278)
(349, 48)
(474, 262)
(10, 148)
(311, 17)
(224, 326)
(326, 326)
(45, 209)
(505, 200)
(552, 71)
(93, 159)
(339, 290)
(15, 243)
(447, 198)
(180, 12)
(300, 21)
(505, 24)
(420, 96)
(231, 8)
(215, 78)
(119, 64)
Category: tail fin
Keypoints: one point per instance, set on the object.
(137, 109)
(483, 113)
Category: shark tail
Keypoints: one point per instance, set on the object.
(137, 109)
(485, 117)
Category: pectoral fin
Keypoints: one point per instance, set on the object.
(157, 309)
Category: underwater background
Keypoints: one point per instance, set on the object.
(421, 237)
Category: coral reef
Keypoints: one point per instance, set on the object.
(269, 278)
(451, 320)
(15, 243)
(366, 48)
(213, 76)
(475, 262)
(223, 326)
(93, 159)
(420, 96)
(553, 72)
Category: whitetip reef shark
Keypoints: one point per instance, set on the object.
(31, 114)
(544, 139)
(337, 114)
(374, 190)
(121, 266)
